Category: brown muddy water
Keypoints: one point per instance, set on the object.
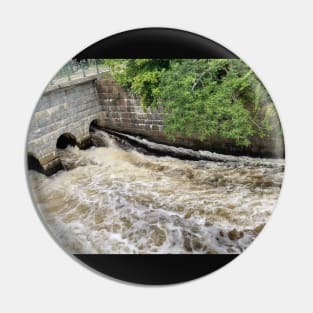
(117, 198)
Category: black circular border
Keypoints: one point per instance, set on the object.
(156, 42)
(155, 269)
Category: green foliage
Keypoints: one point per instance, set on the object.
(200, 97)
(141, 76)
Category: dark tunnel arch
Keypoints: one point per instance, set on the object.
(65, 140)
(93, 124)
(34, 164)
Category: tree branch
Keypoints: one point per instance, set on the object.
(199, 80)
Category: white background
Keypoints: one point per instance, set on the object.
(274, 38)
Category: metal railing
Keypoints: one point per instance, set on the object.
(76, 70)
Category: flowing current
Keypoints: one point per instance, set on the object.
(118, 197)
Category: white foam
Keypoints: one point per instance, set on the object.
(117, 201)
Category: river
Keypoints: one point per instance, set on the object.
(118, 197)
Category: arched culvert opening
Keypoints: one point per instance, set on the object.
(96, 138)
(66, 140)
(93, 125)
(34, 164)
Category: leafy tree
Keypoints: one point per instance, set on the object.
(200, 97)
(141, 76)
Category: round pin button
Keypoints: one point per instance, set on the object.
(155, 156)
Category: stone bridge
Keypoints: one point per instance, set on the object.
(65, 112)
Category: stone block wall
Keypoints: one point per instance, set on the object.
(123, 112)
(62, 109)
(73, 106)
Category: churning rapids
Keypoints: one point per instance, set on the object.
(118, 197)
